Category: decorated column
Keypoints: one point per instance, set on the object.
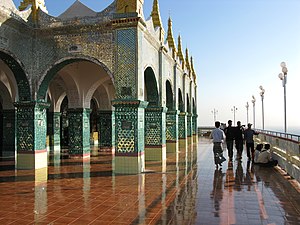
(172, 131)
(129, 134)
(182, 129)
(155, 134)
(195, 128)
(31, 135)
(189, 129)
(106, 127)
(79, 132)
(8, 129)
(53, 119)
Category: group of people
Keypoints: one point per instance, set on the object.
(238, 136)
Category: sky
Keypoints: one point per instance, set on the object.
(237, 45)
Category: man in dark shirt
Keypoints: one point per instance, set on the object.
(248, 135)
(229, 132)
(239, 139)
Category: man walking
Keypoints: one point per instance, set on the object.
(229, 133)
(248, 136)
(218, 137)
(239, 139)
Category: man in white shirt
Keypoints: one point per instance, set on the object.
(264, 158)
(218, 137)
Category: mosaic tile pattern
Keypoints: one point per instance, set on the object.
(125, 68)
(172, 126)
(155, 126)
(129, 117)
(40, 120)
(106, 128)
(31, 126)
(182, 125)
(79, 131)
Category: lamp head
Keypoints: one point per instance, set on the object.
(281, 76)
(284, 70)
(283, 64)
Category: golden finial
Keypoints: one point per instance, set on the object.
(180, 54)
(187, 59)
(35, 6)
(193, 69)
(170, 37)
(155, 14)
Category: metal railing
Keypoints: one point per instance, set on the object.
(288, 136)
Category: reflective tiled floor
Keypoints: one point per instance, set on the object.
(191, 191)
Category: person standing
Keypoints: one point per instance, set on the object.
(239, 139)
(229, 133)
(248, 136)
(218, 137)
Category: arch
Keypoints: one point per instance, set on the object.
(56, 67)
(151, 89)
(180, 101)
(169, 96)
(24, 91)
(194, 107)
(5, 98)
(96, 87)
(188, 105)
(102, 97)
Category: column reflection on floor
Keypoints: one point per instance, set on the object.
(190, 191)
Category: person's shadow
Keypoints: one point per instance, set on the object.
(239, 176)
(217, 191)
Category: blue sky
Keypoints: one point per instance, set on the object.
(237, 46)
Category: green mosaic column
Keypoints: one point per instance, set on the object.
(31, 135)
(9, 133)
(195, 128)
(130, 136)
(182, 129)
(189, 129)
(54, 130)
(155, 134)
(106, 129)
(79, 132)
(172, 131)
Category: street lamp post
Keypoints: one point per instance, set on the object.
(234, 110)
(214, 112)
(253, 102)
(247, 107)
(262, 93)
(283, 76)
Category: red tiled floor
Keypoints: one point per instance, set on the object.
(191, 191)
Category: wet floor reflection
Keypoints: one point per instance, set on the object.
(190, 191)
